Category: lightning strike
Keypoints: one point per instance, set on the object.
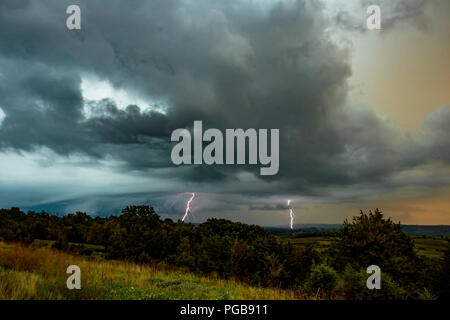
(188, 207)
(291, 214)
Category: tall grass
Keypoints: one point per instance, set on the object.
(40, 273)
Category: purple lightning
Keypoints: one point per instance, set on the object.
(188, 207)
(291, 214)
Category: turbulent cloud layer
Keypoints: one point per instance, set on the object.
(231, 64)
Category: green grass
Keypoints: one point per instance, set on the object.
(36, 272)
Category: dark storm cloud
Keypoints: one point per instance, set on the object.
(436, 143)
(269, 207)
(41, 108)
(231, 64)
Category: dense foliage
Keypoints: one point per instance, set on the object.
(370, 239)
(246, 252)
(227, 249)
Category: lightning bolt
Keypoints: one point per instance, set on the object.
(188, 207)
(291, 214)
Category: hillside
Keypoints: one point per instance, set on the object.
(136, 255)
(30, 272)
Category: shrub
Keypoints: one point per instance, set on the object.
(353, 286)
(372, 240)
(322, 279)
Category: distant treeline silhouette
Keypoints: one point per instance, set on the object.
(248, 253)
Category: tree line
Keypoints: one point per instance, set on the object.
(248, 253)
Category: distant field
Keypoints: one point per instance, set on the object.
(431, 247)
(320, 243)
(412, 230)
(40, 273)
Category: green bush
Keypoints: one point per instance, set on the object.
(353, 286)
(372, 240)
(322, 280)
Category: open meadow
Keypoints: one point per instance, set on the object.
(34, 272)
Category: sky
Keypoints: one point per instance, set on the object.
(364, 115)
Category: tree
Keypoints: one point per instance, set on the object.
(443, 285)
(370, 239)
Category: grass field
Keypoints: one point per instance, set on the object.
(430, 247)
(37, 272)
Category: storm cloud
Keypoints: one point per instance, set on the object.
(231, 64)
